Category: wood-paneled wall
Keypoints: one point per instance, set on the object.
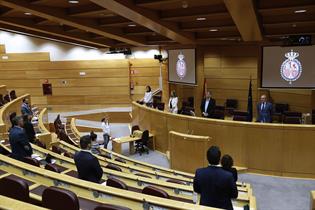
(105, 83)
(145, 72)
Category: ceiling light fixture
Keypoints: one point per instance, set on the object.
(201, 18)
(184, 4)
(300, 11)
(213, 29)
(293, 25)
(73, 1)
(27, 13)
(132, 25)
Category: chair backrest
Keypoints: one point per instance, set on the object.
(56, 149)
(113, 167)
(240, 113)
(68, 154)
(292, 120)
(113, 182)
(240, 118)
(280, 108)
(145, 137)
(293, 114)
(13, 94)
(175, 181)
(52, 167)
(56, 198)
(6, 98)
(1, 100)
(106, 155)
(111, 207)
(231, 103)
(40, 144)
(120, 160)
(135, 128)
(31, 161)
(218, 114)
(150, 190)
(15, 188)
(219, 108)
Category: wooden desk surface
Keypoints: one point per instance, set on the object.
(277, 149)
(13, 204)
(126, 139)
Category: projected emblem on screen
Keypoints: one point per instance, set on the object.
(291, 68)
(181, 66)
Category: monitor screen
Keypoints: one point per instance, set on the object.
(182, 66)
(288, 67)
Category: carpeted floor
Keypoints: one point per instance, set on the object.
(272, 193)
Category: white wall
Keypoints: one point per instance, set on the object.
(19, 43)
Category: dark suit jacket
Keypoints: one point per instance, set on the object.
(264, 115)
(211, 106)
(216, 187)
(26, 109)
(20, 145)
(88, 166)
(234, 173)
(29, 131)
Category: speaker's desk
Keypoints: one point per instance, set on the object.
(117, 143)
(278, 149)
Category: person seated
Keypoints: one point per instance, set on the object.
(207, 105)
(148, 97)
(25, 107)
(87, 164)
(95, 147)
(19, 143)
(172, 103)
(215, 185)
(227, 164)
(29, 128)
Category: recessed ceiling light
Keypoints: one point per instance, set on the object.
(27, 13)
(73, 1)
(201, 18)
(184, 4)
(300, 11)
(293, 25)
(132, 25)
(213, 29)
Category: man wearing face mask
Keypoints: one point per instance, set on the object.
(25, 108)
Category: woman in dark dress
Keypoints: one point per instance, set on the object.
(29, 128)
(227, 164)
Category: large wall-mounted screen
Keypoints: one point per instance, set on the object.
(288, 67)
(182, 66)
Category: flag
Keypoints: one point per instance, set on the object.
(205, 88)
(250, 101)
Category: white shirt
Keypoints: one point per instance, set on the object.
(148, 97)
(206, 105)
(173, 101)
(106, 128)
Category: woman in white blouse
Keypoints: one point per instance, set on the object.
(172, 103)
(148, 97)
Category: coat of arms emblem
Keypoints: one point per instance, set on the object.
(291, 68)
(181, 66)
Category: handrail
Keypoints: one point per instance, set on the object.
(41, 124)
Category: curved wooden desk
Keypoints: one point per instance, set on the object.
(43, 125)
(278, 149)
(7, 109)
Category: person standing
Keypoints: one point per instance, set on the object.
(264, 110)
(106, 131)
(148, 96)
(172, 103)
(19, 143)
(87, 164)
(25, 107)
(227, 164)
(207, 105)
(29, 128)
(215, 185)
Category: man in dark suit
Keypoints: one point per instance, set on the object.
(207, 105)
(264, 110)
(87, 164)
(215, 185)
(25, 107)
(20, 145)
